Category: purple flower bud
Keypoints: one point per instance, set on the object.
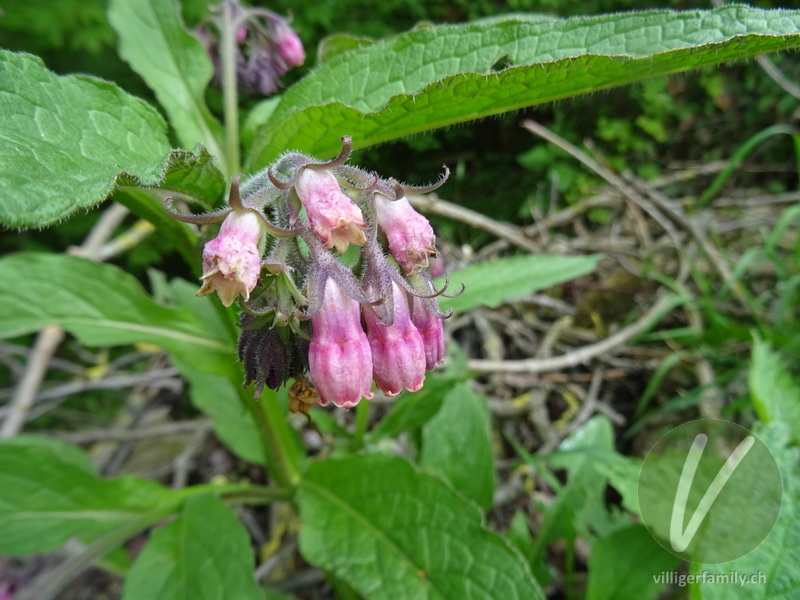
(289, 45)
(334, 217)
(398, 352)
(410, 235)
(432, 331)
(232, 260)
(339, 358)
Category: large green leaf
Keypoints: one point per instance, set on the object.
(396, 533)
(437, 76)
(46, 497)
(770, 569)
(492, 283)
(101, 305)
(775, 395)
(64, 141)
(457, 444)
(172, 62)
(204, 554)
(634, 552)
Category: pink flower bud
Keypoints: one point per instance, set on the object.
(289, 45)
(410, 235)
(432, 332)
(232, 260)
(339, 358)
(334, 217)
(398, 353)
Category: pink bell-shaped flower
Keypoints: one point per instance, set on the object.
(410, 235)
(398, 352)
(232, 260)
(334, 217)
(339, 357)
(432, 331)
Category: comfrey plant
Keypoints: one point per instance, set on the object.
(278, 251)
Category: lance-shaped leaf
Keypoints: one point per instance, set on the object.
(47, 497)
(393, 532)
(438, 76)
(101, 305)
(492, 283)
(203, 554)
(172, 62)
(64, 141)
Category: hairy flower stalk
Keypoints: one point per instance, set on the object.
(306, 315)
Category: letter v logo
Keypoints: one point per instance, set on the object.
(680, 538)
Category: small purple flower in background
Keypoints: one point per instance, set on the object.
(266, 47)
(302, 306)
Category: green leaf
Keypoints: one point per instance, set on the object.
(439, 76)
(63, 452)
(203, 554)
(393, 532)
(101, 305)
(492, 283)
(220, 395)
(49, 497)
(631, 551)
(773, 564)
(413, 409)
(172, 62)
(145, 204)
(339, 43)
(775, 395)
(457, 444)
(221, 398)
(65, 141)
(196, 177)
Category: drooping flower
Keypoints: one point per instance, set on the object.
(232, 260)
(288, 43)
(398, 351)
(333, 216)
(410, 235)
(431, 330)
(339, 357)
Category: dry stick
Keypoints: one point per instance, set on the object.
(127, 435)
(659, 199)
(777, 75)
(628, 192)
(46, 343)
(584, 354)
(50, 337)
(431, 203)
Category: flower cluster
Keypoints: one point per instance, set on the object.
(329, 263)
(264, 46)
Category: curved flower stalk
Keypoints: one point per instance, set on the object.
(278, 252)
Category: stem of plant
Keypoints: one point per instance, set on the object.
(230, 95)
(362, 417)
(279, 448)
